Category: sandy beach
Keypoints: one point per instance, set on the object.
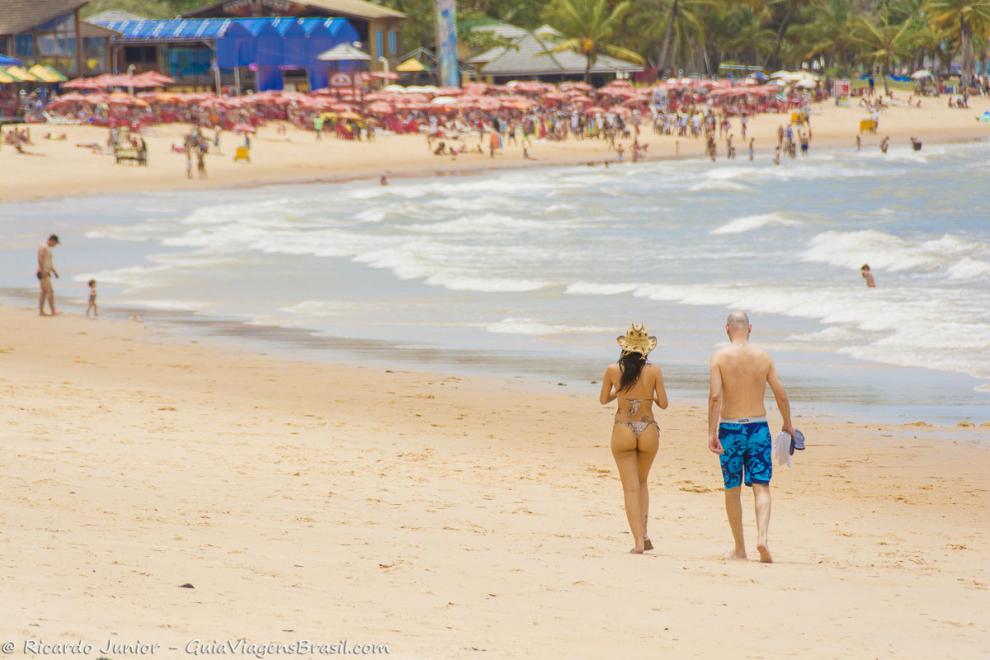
(448, 517)
(61, 168)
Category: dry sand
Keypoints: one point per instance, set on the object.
(57, 168)
(449, 517)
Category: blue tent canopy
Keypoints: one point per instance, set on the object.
(9, 61)
(270, 44)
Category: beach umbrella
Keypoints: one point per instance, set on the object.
(46, 74)
(244, 128)
(72, 97)
(7, 60)
(380, 108)
(81, 83)
(149, 79)
(126, 100)
(806, 83)
(443, 100)
(20, 74)
(5, 79)
(343, 53)
(923, 73)
(412, 65)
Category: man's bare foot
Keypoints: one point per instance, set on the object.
(647, 544)
(634, 551)
(764, 553)
(737, 554)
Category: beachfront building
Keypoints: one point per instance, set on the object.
(529, 55)
(240, 53)
(52, 33)
(377, 27)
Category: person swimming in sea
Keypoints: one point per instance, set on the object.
(868, 276)
(637, 384)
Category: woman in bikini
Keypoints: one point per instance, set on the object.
(637, 384)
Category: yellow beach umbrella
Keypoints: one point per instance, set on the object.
(46, 74)
(19, 74)
(4, 78)
(412, 65)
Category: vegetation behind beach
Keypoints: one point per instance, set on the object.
(698, 36)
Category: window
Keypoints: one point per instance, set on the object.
(379, 44)
(5, 45)
(24, 44)
(393, 42)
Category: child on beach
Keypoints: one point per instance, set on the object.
(91, 305)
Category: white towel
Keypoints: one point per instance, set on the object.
(782, 449)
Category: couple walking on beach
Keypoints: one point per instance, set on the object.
(737, 426)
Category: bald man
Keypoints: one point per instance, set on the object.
(738, 430)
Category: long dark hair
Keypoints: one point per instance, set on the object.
(631, 366)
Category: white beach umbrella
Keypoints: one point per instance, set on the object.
(443, 100)
(923, 73)
(344, 53)
(806, 83)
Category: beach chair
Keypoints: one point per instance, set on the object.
(242, 153)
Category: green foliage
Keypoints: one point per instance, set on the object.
(145, 8)
(843, 36)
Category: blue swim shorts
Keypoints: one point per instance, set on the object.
(747, 448)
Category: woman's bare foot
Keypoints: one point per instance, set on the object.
(737, 554)
(634, 551)
(764, 553)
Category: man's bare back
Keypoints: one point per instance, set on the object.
(745, 370)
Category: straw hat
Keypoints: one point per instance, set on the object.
(636, 340)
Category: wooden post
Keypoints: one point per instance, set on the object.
(79, 43)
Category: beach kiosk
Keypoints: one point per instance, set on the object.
(347, 58)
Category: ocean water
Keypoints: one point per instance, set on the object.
(535, 272)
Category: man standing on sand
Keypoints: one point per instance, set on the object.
(738, 430)
(45, 271)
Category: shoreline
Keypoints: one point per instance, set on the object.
(295, 158)
(492, 512)
(411, 172)
(308, 345)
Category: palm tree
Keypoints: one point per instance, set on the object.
(967, 18)
(588, 27)
(683, 30)
(791, 9)
(883, 42)
(830, 33)
(742, 33)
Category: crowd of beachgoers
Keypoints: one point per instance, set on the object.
(414, 109)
